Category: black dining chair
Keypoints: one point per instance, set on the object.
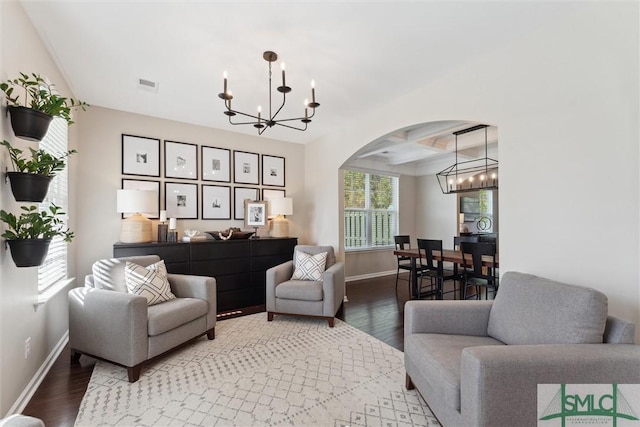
(459, 239)
(404, 262)
(434, 269)
(478, 275)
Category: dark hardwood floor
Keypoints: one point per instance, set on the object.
(373, 308)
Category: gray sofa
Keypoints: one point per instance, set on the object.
(478, 363)
(108, 323)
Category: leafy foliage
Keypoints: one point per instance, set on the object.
(33, 224)
(355, 189)
(41, 162)
(40, 95)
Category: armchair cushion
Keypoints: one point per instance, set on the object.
(302, 290)
(150, 282)
(108, 274)
(309, 266)
(171, 314)
(534, 310)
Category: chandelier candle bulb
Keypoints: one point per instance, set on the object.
(224, 75)
(283, 79)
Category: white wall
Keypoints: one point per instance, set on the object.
(22, 50)
(566, 102)
(437, 212)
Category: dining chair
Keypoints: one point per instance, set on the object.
(478, 275)
(459, 239)
(403, 242)
(434, 269)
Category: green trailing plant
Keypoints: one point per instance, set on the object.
(41, 162)
(35, 224)
(39, 95)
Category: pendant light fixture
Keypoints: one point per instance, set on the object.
(271, 118)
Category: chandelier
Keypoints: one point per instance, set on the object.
(470, 175)
(262, 123)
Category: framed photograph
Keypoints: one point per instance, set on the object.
(245, 168)
(180, 160)
(240, 194)
(272, 170)
(134, 184)
(140, 155)
(216, 202)
(255, 213)
(181, 200)
(216, 164)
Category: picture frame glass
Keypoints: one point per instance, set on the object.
(140, 156)
(180, 160)
(181, 200)
(246, 168)
(273, 171)
(216, 164)
(240, 194)
(216, 202)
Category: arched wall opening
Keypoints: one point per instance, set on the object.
(414, 155)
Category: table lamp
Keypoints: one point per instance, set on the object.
(280, 206)
(136, 228)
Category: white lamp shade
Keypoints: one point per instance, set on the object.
(137, 201)
(281, 206)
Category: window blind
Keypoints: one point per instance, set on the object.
(54, 267)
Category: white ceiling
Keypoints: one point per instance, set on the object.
(360, 54)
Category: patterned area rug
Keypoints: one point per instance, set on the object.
(292, 371)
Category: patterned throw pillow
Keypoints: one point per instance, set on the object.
(150, 282)
(309, 267)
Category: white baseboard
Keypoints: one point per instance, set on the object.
(369, 275)
(37, 379)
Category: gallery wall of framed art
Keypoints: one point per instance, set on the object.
(195, 181)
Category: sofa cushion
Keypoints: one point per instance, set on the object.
(108, 274)
(438, 357)
(150, 282)
(303, 290)
(176, 312)
(313, 250)
(533, 310)
(308, 266)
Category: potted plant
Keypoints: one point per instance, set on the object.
(31, 177)
(30, 116)
(29, 234)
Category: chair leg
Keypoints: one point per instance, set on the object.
(75, 357)
(409, 383)
(211, 333)
(330, 320)
(269, 316)
(134, 373)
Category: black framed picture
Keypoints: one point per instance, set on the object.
(180, 160)
(269, 193)
(181, 200)
(273, 171)
(216, 202)
(240, 194)
(138, 184)
(140, 155)
(216, 164)
(246, 168)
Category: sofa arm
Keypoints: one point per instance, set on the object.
(447, 317)
(333, 288)
(274, 276)
(201, 287)
(108, 324)
(499, 383)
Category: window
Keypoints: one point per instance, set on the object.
(54, 268)
(370, 210)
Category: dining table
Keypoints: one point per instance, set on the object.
(447, 255)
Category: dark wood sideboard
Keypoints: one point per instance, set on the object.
(238, 266)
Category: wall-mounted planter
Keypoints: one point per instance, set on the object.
(28, 123)
(29, 252)
(29, 187)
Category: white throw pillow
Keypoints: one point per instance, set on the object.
(150, 282)
(309, 267)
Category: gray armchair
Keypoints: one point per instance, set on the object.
(479, 363)
(306, 297)
(108, 323)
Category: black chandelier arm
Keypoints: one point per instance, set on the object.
(291, 127)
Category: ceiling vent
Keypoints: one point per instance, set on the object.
(148, 85)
